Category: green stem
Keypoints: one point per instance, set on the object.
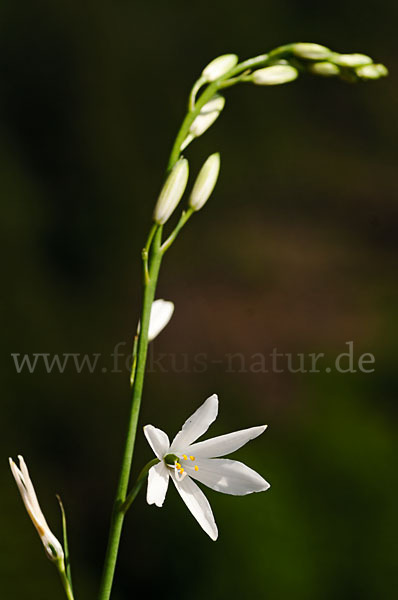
(65, 581)
(152, 257)
(121, 494)
(138, 484)
(187, 122)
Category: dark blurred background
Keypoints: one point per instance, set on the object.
(296, 250)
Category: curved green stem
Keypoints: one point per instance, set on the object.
(118, 512)
(195, 107)
(138, 484)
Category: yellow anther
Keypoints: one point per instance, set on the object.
(181, 470)
(196, 468)
(178, 465)
(185, 457)
(192, 457)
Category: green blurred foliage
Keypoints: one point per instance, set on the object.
(296, 250)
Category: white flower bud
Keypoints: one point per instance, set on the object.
(274, 75)
(51, 545)
(205, 182)
(219, 66)
(172, 192)
(372, 71)
(351, 60)
(324, 68)
(205, 119)
(161, 313)
(311, 51)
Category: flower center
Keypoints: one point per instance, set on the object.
(174, 461)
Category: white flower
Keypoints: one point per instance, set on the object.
(185, 460)
(205, 119)
(219, 66)
(351, 60)
(161, 313)
(51, 545)
(205, 182)
(311, 51)
(274, 75)
(172, 192)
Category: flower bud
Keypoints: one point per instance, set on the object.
(172, 192)
(274, 75)
(205, 182)
(161, 313)
(51, 544)
(208, 114)
(351, 60)
(205, 119)
(371, 71)
(219, 66)
(324, 68)
(311, 51)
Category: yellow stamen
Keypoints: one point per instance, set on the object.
(178, 465)
(192, 457)
(181, 470)
(185, 457)
(196, 468)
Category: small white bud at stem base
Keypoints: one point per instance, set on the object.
(311, 51)
(205, 182)
(219, 66)
(275, 75)
(172, 192)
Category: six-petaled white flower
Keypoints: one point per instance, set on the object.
(184, 460)
(51, 545)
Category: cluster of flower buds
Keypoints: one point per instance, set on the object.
(318, 60)
(176, 183)
(322, 61)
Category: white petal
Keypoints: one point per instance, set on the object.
(196, 425)
(27, 491)
(226, 476)
(161, 313)
(52, 546)
(158, 440)
(198, 504)
(158, 481)
(225, 444)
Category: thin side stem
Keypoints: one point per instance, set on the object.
(66, 565)
(138, 484)
(183, 219)
(118, 513)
